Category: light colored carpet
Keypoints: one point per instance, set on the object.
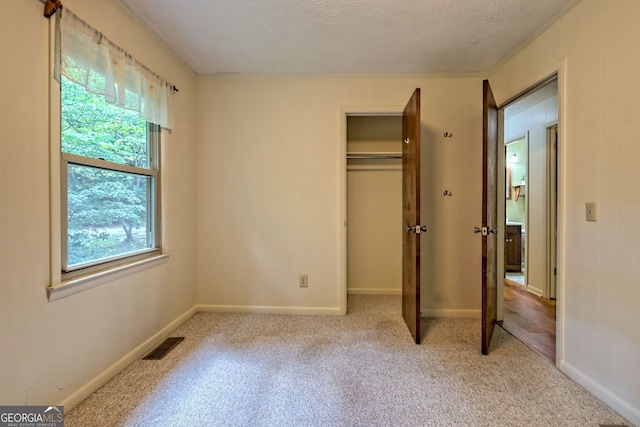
(358, 370)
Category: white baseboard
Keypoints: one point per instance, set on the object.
(88, 389)
(615, 402)
(373, 291)
(330, 311)
(535, 291)
(442, 312)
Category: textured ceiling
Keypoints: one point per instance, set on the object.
(345, 36)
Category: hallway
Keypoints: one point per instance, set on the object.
(531, 319)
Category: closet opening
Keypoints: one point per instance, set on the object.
(374, 204)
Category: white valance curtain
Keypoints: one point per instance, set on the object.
(90, 59)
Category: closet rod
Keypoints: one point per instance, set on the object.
(374, 156)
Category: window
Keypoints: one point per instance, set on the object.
(109, 183)
(108, 109)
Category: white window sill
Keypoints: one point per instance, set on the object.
(80, 284)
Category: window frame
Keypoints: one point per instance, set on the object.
(154, 205)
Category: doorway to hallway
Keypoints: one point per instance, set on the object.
(530, 161)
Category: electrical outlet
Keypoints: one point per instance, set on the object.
(591, 211)
(303, 281)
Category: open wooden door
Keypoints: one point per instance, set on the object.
(411, 215)
(489, 214)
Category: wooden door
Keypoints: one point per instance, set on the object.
(489, 214)
(411, 215)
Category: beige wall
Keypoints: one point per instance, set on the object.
(596, 47)
(272, 180)
(54, 353)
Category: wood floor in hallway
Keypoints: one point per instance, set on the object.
(530, 318)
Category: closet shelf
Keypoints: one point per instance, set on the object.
(374, 155)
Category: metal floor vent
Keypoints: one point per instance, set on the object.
(163, 348)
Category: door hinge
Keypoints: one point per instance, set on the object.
(416, 228)
(485, 230)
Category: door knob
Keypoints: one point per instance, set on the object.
(416, 229)
(485, 230)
